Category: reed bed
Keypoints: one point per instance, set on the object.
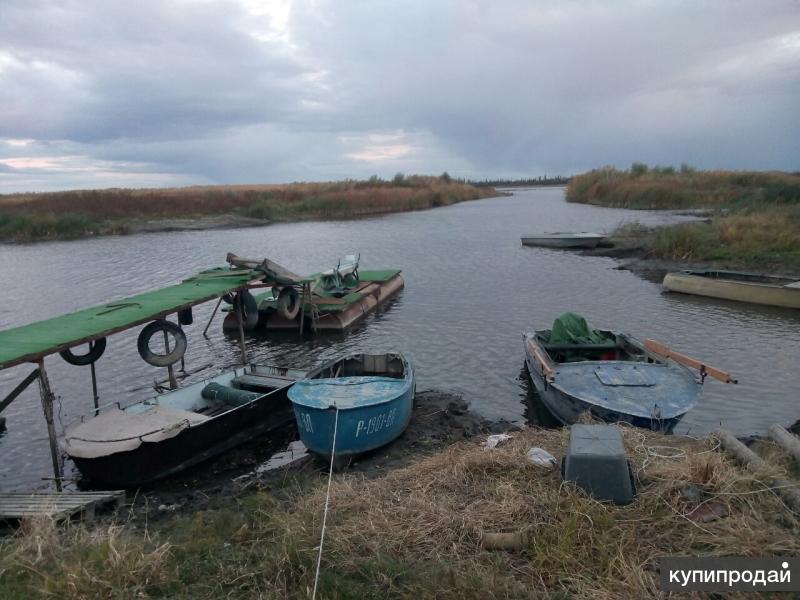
(28, 217)
(754, 222)
(417, 531)
(643, 187)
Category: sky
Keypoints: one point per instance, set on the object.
(153, 93)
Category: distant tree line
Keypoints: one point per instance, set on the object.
(540, 180)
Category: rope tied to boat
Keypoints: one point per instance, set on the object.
(327, 501)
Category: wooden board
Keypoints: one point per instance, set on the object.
(58, 505)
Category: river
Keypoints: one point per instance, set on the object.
(471, 290)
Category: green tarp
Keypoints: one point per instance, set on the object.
(31, 342)
(571, 328)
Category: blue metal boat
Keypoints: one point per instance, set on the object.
(366, 398)
(615, 379)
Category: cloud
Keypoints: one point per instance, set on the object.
(195, 91)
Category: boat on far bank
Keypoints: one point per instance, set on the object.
(582, 239)
(366, 399)
(733, 285)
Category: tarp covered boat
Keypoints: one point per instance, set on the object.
(611, 375)
(366, 398)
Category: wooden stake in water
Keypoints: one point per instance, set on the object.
(47, 407)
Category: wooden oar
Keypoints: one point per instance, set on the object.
(667, 352)
(547, 369)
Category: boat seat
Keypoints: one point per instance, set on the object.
(258, 383)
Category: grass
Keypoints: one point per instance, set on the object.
(755, 216)
(416, 532)
(70, 214)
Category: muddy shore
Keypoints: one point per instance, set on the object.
(439, 420)
(196, 224)
(633, 255)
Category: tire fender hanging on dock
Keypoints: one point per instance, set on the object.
(96, 349)
(288, 303)
(249, 308)
(161, 360)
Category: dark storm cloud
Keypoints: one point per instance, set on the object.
(195, 91)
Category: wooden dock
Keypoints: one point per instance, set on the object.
(58, 505)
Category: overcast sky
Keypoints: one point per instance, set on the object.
(95, 93)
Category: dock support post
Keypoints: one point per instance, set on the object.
(303, 306)
(240, 322)
(173, 383)
(95, 397)
(18, 390)
(213, 314)
(47, 407)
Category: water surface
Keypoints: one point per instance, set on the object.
(471, 289)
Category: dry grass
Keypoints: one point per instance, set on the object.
(76, 563)
(83, 212)
(755, 220)
(435, 512)
(416, 532)
(666, 188)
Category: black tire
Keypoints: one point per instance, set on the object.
(288, 303)
(161, 360)
(250, 305)
(96, 349)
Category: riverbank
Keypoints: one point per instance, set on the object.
(415, 528)
(753, 218)
(83, 213)
(633, 246)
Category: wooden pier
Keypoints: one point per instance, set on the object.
(57, 505)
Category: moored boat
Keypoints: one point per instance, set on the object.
(612, 375)
(160, 436)
(366, 399)
(740, 287)
(581, 239)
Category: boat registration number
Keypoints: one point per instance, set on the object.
(376, 423)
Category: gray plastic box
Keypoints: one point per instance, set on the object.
(596, 462)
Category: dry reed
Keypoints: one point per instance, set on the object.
(417, 532)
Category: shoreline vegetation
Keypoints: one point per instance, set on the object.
(541, 181)
(81, 213)
(418, 530)
(752, 218)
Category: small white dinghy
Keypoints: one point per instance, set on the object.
(582, 239)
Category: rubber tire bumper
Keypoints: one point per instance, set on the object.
(96, 349)
(288, 303)
(161, 360)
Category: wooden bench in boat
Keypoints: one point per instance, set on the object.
(261, 382)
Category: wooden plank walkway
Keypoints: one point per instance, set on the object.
(58, 505)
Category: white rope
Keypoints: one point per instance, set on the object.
(327, 499)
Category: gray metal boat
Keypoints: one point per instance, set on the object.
(615, 377)
(581, 239)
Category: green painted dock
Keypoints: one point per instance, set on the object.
(31, 342)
